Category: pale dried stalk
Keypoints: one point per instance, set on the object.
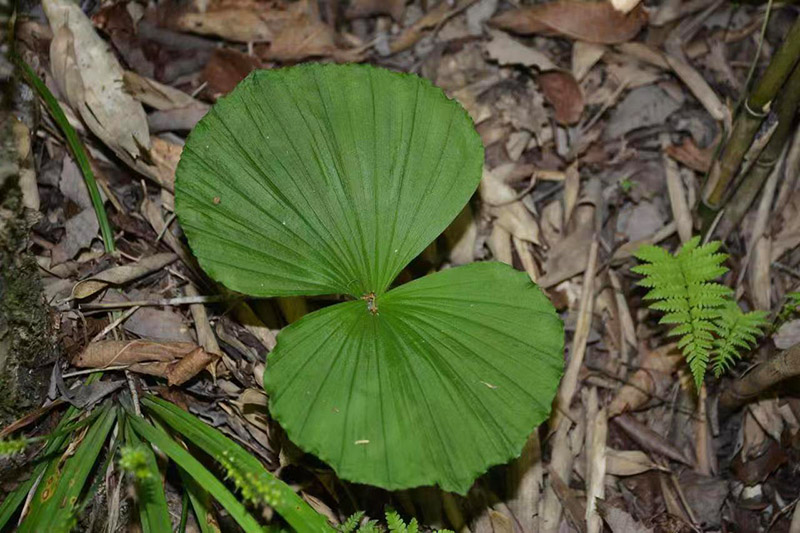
(561, 463)
(677, 195)
(702, 445)
(596, 434)
(525, 483)
(569, 383)
(762, 218)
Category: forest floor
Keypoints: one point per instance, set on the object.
(599, 129)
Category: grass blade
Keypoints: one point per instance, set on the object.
(52, 508)
(256, 483)
(75, 145)
(192, 466)
(201, 503)
(153, 510)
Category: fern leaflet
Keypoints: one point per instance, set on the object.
(738, 331)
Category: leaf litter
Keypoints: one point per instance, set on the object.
(597, 92)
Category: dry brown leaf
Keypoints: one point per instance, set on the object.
(651, 380)
(370, 8)
(625, 6)
(226, 68)
(563, 93)
(235, 20)
(121, 274)
(690, 155)
(301, 39)
(700, 88)
(594, 22)
(436, 16)
(628, 462)
(155, 94)
(620, 521)
(103, 354)
(510, 214)
(584, 57)
(650, 440)
(189, 366)
(508, 51)
(91, 79)
(500, 245)
(81, 230)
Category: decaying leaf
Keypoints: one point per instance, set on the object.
(156, 95)
(121, 274)
(503, 203)
(649, 381)
(234, 20)
(508, 51)
(91, 79)
(103, 354)
(628, 462)
(80, 232)
(620, 521)
(594, 22)
(189, 366)
(562, 92)
(226, 68)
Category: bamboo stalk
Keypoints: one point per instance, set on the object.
(747, 123)
(786, 109)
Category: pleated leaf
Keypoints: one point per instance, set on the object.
(330, 179)
(449, 377)
(321, 179)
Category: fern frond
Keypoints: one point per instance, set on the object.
(682, 286)
(395, 523)
(738, 331)
(350, 525)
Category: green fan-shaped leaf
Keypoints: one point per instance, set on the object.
(448, 377)
(320, 179)
(330, 179)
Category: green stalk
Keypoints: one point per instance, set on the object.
(75, 146)
(747, 123)
(786, 109)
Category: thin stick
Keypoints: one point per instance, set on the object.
(179, 300)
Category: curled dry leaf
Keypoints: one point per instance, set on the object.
(103, 354)
(91, 79)
(121, 274)
(562, 92)
(594, 22)
(188, 366)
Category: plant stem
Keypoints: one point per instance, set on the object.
(75, 145)
(747, 123)
(780, 367)
(755, 178)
